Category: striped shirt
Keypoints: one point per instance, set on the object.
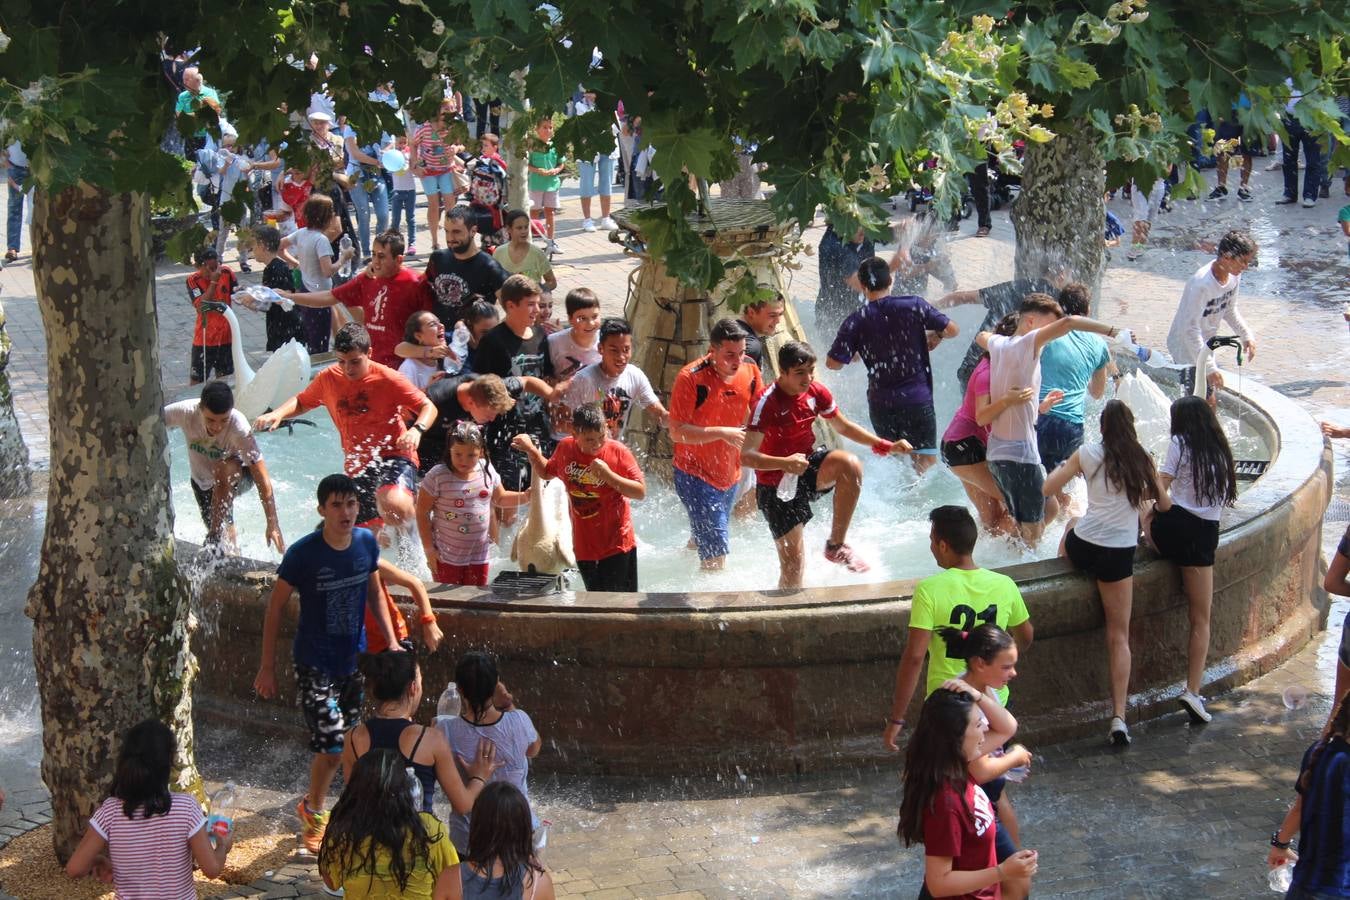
(459, 521)
(150, 857)
(433, 153)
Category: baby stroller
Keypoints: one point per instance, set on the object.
(487, 198)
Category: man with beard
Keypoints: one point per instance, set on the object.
(461, 270)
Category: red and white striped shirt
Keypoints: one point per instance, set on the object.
(150, 857)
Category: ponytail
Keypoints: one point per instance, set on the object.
(985, 642)
(388, 674)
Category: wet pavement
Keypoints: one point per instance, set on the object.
(1185, 812)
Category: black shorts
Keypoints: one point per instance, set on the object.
(203, 497)
(204, 360)
(330, 706)
(785, 515)
(383, 474)
(965, 452)
(1184, 538)
(916, 423)
(613, 573)
(1106, 564)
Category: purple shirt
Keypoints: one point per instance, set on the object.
(890, 335)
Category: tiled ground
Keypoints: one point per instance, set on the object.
(1183, 813)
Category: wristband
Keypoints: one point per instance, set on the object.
(428, 619)
(419, 427)
(1277, 843)
(882, 447)
(899, 722)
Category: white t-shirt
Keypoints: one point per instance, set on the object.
(419, 371)
(569, 357)
(310, 245)
(1110, 520)
(235, 440)
(616, 396)
(1204, 304)
(1013, 363)
(404, 180)
(1178, 465)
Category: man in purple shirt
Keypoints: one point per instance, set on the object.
(893, 337)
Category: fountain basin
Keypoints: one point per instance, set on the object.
(782, 681)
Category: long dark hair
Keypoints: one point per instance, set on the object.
(1212, 470)
(1129, 468)
(476, 678)
(141, 780)
(499, 831)
(934, 757)
(1338, 727)
(374, 813)
(985, 642)
(389, 675)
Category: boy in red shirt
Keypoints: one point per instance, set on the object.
(370, 405)
(779, 442)
(601, 476)
(212, 340)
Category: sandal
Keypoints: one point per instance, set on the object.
(982, 231)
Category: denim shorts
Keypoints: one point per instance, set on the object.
(1057, 439)
(1020, 484)
(443, 184)
(709, 513)
(587, 172)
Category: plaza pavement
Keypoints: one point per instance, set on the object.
(1184, 813)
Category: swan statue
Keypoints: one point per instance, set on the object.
(543, 544)
(282, 376)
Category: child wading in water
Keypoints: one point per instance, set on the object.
(946, 811)
(454, 508)
(144, 838)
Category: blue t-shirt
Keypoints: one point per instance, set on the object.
(1323, 865)
(890, 335)
(1067, 364)
(332, 587)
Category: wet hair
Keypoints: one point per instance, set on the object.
(1212, 471)
(1075, 299)
(500, 832)
(415, 323)
(1236, 243)
(465, 433)
(268, 237)
(217, 398)
(388, 675)
(318, 211)
(1129, 468)
(141, 779)
(463, 214)
(613, 326)
(515, 216)
(1041, 303)
(479, 310)
(794, 354)
(392, 240)
(874, 274)
(517, 288)
(1004, 327)
(352, 338)
(985, 642)
(1338, 727)
(336, 485)
(727, 329)
(933, 758)
(490, 391)
(375, 818)
(588, 417)
(955, 527)
(476, 678)
(580, 298)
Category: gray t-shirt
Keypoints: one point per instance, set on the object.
(310, 245)
(235, 440)
(512, 735)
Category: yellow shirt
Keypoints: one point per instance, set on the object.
(964, 599)
(421, 880)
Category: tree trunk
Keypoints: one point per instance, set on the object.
(111, 615)
(15, 479)
(1061, 214)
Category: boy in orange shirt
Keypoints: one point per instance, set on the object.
(209, 288)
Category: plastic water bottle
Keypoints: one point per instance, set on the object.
(346, 243)
(787, 487)
(459, 345)
(1281, 877)
(448, 705)
(1295, 696)
(1017, 774)
(414, 788)
(220, 822)
(260, 298)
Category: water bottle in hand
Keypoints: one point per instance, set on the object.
(787, 487)
(220, 822)
(459, 345)
(1281, 877)
(1017, 774)
(448, 705)
(345, 245)
(261, 298)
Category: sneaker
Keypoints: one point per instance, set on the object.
(312, 826)
(245, 267)
(588, 225)
(1136, 251)
(1119, 735)
(1285, 201)
(1218, 193)
(1325, 193)
(1244, 194)
(1309, 202)
(553, 248)
(411, 251)
(842, 554)
(1194, 705)
(608, 224)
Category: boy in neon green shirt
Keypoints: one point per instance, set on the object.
(963, 596)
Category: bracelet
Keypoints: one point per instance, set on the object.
(478, 778)
(899, 722)
(428, 619)
(1277, 843)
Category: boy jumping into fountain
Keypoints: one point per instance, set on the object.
(334, 569)
(780, 442)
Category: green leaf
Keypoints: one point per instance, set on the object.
(696, 149)
(184, 244)
(1076, 73)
